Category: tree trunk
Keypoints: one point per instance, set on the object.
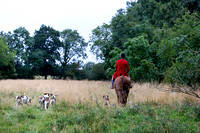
(45, 77)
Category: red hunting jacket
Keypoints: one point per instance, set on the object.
(122, 68)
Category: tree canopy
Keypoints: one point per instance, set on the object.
(159, 37)
(7, 69)
(73, 47)
(161, 40)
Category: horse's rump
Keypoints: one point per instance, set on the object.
(122, 82)
(122, 87)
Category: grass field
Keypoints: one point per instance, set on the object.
(80, 108)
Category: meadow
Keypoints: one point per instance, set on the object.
(80, 108)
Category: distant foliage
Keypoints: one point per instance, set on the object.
(7, 69)
(161, 39)
(94, 71)
(72, 48)
(48, 52)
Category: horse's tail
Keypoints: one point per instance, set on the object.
(125, 82)
(125, 91)
(123, 79)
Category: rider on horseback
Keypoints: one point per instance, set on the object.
(122, 69)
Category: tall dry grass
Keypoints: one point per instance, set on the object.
(92, 92)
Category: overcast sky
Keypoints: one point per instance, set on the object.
(80, 15)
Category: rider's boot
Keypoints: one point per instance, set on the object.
(112, 85)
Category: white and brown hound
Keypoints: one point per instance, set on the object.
(44, 100)
(53, 100)
(22, 99)
(106, 100)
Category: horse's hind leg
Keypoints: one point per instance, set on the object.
(120, 99)
(124, 97)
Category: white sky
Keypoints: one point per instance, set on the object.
(80, 15)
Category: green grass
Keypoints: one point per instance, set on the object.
(82, 117)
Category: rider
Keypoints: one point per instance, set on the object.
(122, 69)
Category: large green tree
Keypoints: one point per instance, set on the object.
(21, 42)
(94, 71)
(100, 41)
(159, 37)
(7, 69)
(45, 51)
(181, 51)
(72, 50)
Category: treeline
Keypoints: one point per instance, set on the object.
(161, 39)
(48, 52)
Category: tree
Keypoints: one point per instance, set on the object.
(73, 71)
(98, 72)
(87, 70)
(191, 5)
(45, 51)
(94, 71)
(152, 56)
(21, 42)
(156, 12)
(73, 48)
(182, 51)
(119, 29)
(101, 39)
(7, 69)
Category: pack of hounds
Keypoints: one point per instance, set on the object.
(48, 99)
(44, 101)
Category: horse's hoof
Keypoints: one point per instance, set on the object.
(131, 86)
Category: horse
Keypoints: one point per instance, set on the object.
(122, 87)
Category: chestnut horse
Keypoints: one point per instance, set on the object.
(122, 88)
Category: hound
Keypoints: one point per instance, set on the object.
(53, 100)
(41, 101)
(47, 94)
(22, 99)
(44, 100)
(25, 99)
(106, 100)
(18, 100)
(46, 103)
